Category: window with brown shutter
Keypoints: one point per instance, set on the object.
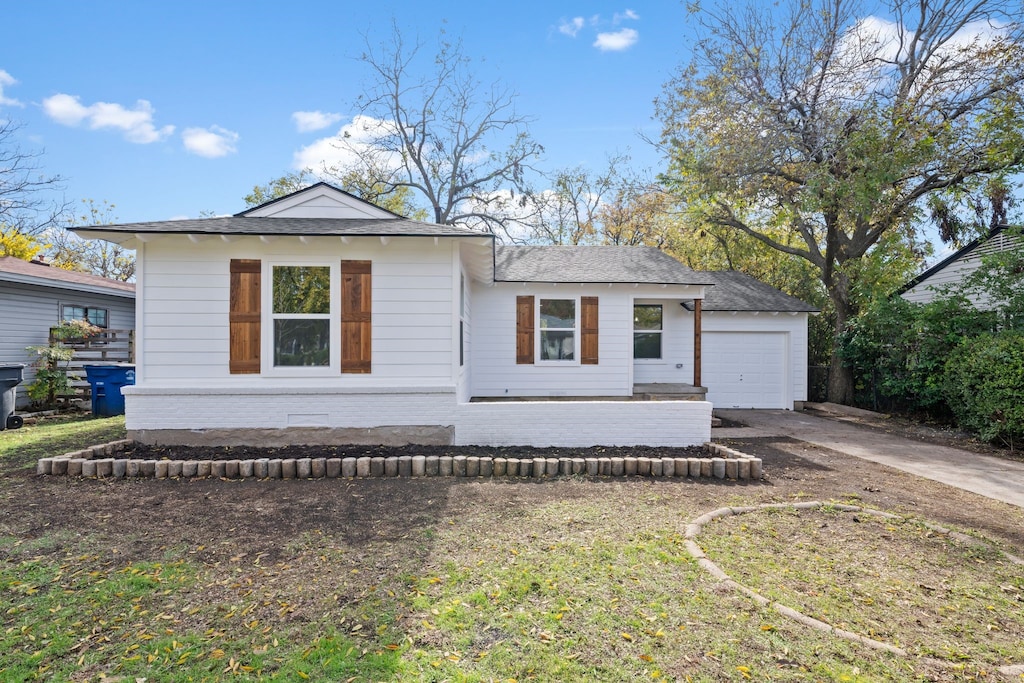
(524, 330)
(356, 328)
(588, 330)
(244, 317)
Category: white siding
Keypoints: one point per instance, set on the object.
(676, 346)
(27, 312)
(185, 337)
(495, 372)
(792, 325)
(954, 271)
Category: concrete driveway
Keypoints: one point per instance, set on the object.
(997, 478)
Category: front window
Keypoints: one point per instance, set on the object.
(557, 329)
(95, 316)
(647, 326)
(302, 316)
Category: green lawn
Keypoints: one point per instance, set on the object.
(23, 447)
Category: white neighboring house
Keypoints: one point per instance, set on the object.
(321, 318)
(954, 268)
(35, 296)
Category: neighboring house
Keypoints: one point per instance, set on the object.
(953, 269)
(35, 297)
(321, 318)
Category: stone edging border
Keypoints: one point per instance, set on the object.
(694, 528)
(95, 462)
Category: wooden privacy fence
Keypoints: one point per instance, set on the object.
(107, 346)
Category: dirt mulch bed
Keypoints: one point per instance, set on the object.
(144, 452)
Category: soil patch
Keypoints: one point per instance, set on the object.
(146, 452)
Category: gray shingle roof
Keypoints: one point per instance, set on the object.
(735, 291)
(247, 225)
(645, 265)
(730, 290)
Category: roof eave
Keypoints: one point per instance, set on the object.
(32, 280)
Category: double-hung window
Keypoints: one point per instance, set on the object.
(301, 313)
(300, 318)
(557, 329)
(647, 330)
(568, 330)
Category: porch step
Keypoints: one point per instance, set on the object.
(668, 392)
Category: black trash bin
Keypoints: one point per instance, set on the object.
(106, 382)
(11, 375)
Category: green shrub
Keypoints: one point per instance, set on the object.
(984, 386)
(898, 350)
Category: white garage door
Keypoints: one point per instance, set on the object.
(744, 369)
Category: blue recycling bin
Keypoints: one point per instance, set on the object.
(11, 375)
(105, 382)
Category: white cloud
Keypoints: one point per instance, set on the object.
(571, 27)
(7, 79)
(617, 41)
(212, 142)
(136, 124)
(345, 148)
(307, 121)
(622, 16)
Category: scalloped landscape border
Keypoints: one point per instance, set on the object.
(695, 527)
(96, 462)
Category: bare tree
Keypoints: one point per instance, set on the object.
(569, 211)
(99, 257)
(441, 132)
(25, 205)
(838, 127)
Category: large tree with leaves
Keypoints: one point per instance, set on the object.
(838, 128)
(456, 142)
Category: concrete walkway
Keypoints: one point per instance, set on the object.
(997, 478)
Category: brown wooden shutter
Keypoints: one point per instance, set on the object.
(244, 317)
(524, 330)
(588, 331)
(356, 327)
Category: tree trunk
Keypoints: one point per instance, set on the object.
(840, 377)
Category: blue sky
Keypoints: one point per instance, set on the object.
(169, 109)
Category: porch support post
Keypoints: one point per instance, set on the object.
(696, 342)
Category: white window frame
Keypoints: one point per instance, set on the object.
(333, 368)
(649, 361)
(576, 332)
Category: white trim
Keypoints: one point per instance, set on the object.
(577, 342)
(267, 367)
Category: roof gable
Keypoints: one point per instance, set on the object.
(996, 240)
(318, 201)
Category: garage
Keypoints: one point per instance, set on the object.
(745, 369)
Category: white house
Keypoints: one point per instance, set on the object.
(954, 268)
(321, 318)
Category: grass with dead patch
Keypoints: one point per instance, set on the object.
(891, 580)
(567, 579)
